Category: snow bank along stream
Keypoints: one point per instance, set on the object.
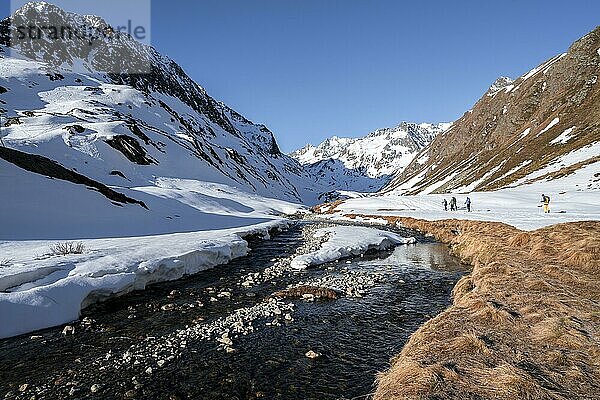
(40, 289)
(49, 290)
(346, 241)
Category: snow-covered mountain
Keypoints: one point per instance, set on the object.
(543, 126)
(366, 164)
(125, 135)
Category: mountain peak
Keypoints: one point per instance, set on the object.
(500, 83)
(73, 41)
(39, 6)
(34, 10)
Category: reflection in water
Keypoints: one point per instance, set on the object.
(425, 255)
(355, 336)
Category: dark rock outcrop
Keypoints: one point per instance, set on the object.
(47, 167)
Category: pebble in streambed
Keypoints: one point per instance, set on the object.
(160, 350)
(150, 355)
(282, 266)
(351, 283)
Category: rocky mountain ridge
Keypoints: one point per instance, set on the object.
(542, 126)
(94, 109)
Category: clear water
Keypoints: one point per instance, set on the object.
(355, 336)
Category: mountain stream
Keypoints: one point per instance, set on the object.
(222, 334)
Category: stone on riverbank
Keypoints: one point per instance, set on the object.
(300, 291)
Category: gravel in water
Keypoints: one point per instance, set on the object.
(221, 335)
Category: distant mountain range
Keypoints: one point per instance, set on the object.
(366, 164)
(544, 125)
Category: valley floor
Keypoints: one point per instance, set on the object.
(573, 198)
(517, 207)
(542, 282)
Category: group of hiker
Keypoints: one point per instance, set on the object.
(453, 204)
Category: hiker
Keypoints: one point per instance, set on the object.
(546, 203)
(445, 203)
(468, 203)
(453, 204)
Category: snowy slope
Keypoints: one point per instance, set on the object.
(366, 164)
(128, 137)
(122, 138)
(137, 127)
(153, 176)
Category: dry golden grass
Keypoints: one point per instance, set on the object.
(525, 324)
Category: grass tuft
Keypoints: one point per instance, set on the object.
(6, 262)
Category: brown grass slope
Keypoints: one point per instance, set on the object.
(525, 324)
(489, 135)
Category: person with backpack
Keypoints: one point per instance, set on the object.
(468, 203)
(453, 204)
(445, 203)
(546, 203)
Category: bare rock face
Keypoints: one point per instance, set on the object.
(515, 128)
(499, 84)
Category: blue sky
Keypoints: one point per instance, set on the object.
(312, 69)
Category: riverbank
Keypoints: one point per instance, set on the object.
(43, 286)
(525, 324)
